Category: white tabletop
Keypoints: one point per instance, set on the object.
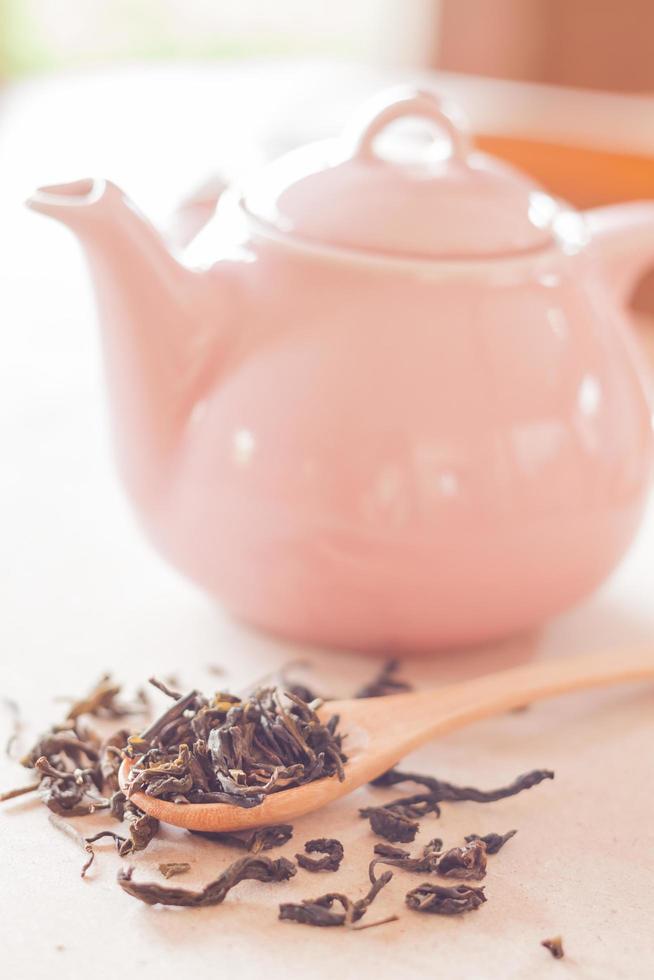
(83, 593)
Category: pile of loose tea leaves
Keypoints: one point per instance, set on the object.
(227, 750)
(237, 750)
(76, 769)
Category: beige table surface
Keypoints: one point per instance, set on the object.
(82, 593)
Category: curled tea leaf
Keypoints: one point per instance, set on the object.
(441, 791)
(441, 900)
(246, 868)
(392, 825)
(331, 849)
(463, 862)
(397, 821)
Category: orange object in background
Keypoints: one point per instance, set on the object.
(585, 176)
(592, 45)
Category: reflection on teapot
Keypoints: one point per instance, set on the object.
(386, 402)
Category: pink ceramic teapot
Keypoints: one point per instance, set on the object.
(387, 401)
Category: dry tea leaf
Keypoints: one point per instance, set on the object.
(398, 821)
(463, 862)
(246, 868)
(331, 849)
(442, 791)
(441, 900)
(174, 868)
(78, 771)
(555, 947)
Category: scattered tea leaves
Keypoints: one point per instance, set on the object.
(493, 842)
(237, 750)
(78, 770)
(174, 868)
(399, 819)
(441, 900)
(555, 947)
(246, 868)
(331, 849)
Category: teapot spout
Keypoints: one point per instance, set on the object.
(145, 299)
(623, 234)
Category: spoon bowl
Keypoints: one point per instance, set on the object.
(380, 731)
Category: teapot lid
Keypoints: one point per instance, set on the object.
(345, 193)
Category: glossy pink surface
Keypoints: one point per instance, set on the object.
(373, 452)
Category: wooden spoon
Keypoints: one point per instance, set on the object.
(380, 731)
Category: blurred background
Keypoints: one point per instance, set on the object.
(162, 95)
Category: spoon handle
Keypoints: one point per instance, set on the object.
(428, 713)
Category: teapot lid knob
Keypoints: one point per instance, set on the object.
(362, 132)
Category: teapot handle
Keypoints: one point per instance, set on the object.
(409, 102)
(623, 236)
